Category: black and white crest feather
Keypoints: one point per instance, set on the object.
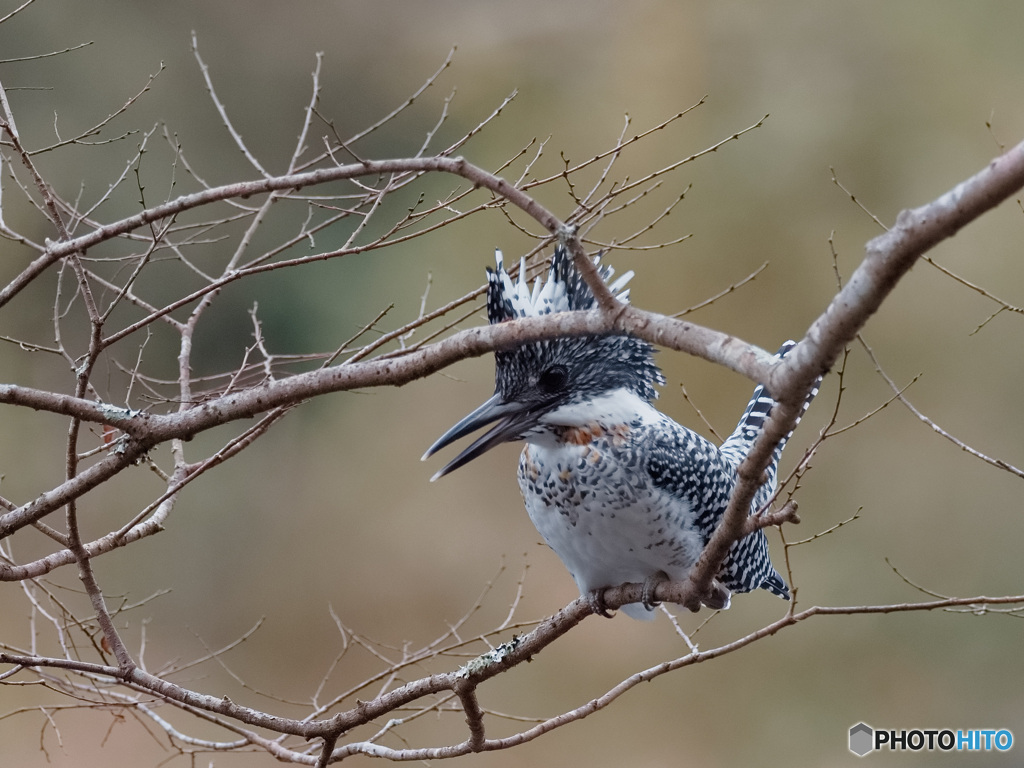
(629, 361)
(564, 291)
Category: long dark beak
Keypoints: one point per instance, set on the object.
(513, 419)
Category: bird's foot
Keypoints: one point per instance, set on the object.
(595, 598)
(720, 596)
(650, 584)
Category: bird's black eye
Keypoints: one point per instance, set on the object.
(553, 379)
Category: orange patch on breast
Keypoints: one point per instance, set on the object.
(581, 435)
(619, 433)
(530, 466)
(586, 435)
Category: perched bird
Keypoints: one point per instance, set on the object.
(620, 492)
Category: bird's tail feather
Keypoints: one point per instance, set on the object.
(738, 444)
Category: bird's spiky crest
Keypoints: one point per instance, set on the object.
(565, 290)
(602, 362)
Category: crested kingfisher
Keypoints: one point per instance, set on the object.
(620, 492)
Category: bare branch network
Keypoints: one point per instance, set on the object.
(106, 308)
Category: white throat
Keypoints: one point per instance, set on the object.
(620, 406)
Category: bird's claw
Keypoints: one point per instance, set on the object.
(650, 584)
(719, 598)
(595, 598)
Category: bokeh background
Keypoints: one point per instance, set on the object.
(333, 510)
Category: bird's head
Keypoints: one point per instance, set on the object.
(538, 383)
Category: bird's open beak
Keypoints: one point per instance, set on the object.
(513, 419)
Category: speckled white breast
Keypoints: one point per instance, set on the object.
(588, 493)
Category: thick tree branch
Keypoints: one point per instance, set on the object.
(712, 345)
(888, 258)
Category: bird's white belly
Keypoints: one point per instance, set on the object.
(604, 519)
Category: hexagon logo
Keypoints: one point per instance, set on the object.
(861, 739)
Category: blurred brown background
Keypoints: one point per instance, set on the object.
(333, 510)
